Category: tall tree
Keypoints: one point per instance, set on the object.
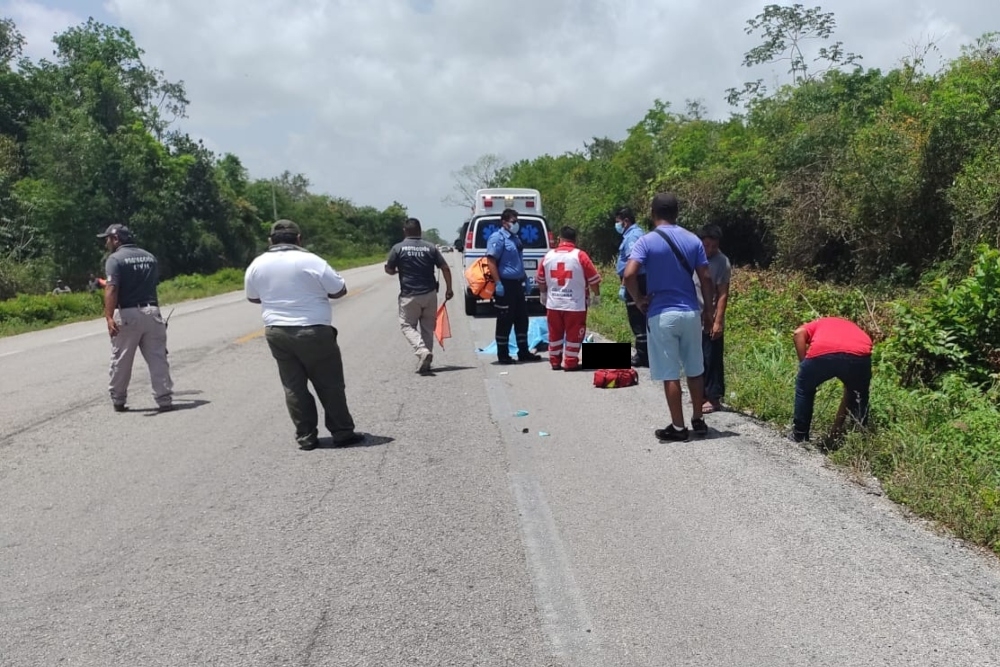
(489, 171)
(786, 29)
(101, 66)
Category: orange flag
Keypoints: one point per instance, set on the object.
(442, 329)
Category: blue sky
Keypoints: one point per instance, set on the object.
(380, 100)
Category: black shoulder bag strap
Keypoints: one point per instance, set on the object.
(684, 262)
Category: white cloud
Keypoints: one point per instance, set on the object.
(380, 100)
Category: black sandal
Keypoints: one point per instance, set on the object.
(699, 427)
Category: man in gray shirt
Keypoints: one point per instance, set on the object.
(134, 320)
(712, 340)
(414, 261)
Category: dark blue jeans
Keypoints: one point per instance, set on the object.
(715, 380)
(637, 322)
(512, 312)
(853, 370)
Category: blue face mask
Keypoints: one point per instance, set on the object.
(620, 228)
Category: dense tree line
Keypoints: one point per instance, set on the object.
(847, 173)
(86, 140)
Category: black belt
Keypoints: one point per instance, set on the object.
(140, 305)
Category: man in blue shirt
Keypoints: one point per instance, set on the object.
(631, 232)
(673, 313)
(503, 253)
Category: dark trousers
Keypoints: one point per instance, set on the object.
(311, 354)
(853, 370)
(512, 311)
(637, 322)
(715, 380)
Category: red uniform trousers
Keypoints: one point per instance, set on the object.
(571, 325)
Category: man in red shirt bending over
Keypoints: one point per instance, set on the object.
(831, 347)
(568, 283)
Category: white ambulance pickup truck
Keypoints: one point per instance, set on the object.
(534, 234)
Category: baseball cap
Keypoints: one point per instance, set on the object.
(286, 226)
(119, 230)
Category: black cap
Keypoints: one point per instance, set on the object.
(286, 226)
(121, 231)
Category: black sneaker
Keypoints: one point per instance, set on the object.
(671, 434)
(349, 440)
(309, 445)
(165, 408)
(528, 356)
(699, 427)
(505, 361)
(119, 407)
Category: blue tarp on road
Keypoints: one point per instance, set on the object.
(538, 337)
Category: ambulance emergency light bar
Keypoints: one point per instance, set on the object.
(529, 201)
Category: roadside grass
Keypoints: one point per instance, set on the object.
(935, 451)
(34, 312)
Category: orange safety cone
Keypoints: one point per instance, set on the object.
(442, 328)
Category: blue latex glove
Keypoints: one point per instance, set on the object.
(499, 289)
(622, 294)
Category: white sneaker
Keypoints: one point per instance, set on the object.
(425, 361)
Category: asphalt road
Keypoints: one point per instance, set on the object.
(205, 537)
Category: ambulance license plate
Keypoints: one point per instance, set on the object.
(531, 263)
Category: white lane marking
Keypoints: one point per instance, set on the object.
(7, 354)
(564, 614)
(210, 307)
(89, 335)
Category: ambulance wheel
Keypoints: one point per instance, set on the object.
(470, 304)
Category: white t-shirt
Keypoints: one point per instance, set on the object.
(293, 286)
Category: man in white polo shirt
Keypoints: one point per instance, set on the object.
(293, 287)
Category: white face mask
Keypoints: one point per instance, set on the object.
(515, 228)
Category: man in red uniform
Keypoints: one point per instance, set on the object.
(831, 347)
(564, 278)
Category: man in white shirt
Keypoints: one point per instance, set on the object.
(293, 287)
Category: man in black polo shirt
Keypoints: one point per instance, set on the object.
(414, 260)
(134, 320)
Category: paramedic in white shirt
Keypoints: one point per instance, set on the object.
(569, 283)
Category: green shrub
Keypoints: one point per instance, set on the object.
(956, 329)
(45, 309)
(27, 312)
